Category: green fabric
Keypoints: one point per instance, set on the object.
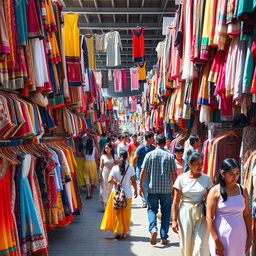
(103, 142)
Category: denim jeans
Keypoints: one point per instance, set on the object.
(153, 204)
(145, 187)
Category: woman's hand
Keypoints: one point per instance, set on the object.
(248, 245)
(118, 184)
(219, 248)
(135, 194)
(175, 226)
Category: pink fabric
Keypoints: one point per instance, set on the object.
(118, 80)
(134, 104)
(124, 81)
(135, 85)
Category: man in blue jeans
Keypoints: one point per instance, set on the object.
(159, 169)
(140, 154)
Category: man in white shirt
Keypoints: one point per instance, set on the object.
(123, 146)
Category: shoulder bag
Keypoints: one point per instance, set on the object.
(120, 198)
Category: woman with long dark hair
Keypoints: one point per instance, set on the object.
(107, 162)
(90, 168)
(229, 214)
(119, 221)
(188, 220)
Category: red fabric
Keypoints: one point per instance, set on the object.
(138, 43)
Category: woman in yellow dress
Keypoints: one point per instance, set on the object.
(119, 221)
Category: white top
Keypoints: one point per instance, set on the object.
(126, 184)
(108, 161)
(122, 148)
(90, 157)
(193, 189)
(112, 45)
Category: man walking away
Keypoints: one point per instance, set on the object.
(195, 144)
(160, 169)
(140, 154)
(103, 142)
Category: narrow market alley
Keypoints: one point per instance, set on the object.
(83, 236)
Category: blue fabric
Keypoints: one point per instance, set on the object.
(29, 221)
(153, 205)
(142, 151)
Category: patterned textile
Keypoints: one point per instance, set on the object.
(159, 165)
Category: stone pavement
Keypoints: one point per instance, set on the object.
(83, 236)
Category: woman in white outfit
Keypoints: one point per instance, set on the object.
(107, 161)
(188, 218)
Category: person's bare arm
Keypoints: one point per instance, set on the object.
(175, 207)
(212, 200)
(142, 178)
(134, 184)
(247, 220)
(135, 160)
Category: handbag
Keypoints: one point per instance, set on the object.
(119, 197)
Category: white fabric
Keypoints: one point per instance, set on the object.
(39, 61)
(121, 148)
(188, 64)
(126, 184)
(112, 45)
(90, 157)
(193, 189)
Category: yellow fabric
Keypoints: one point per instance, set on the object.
(90, 172)
(91, 51)
(207, 13)
(117, 221)
(80, 171)
(142, 72)
(71, 35)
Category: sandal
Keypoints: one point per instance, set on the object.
(118, 236)
(125, 235)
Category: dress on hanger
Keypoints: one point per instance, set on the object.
(113, 45)
(138, 50)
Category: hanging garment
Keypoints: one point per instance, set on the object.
(110, 77)
(99, 42)
(135, 85)
(98, 78)
(118, 80)
(134, 104)
(142, 72)
(124, 79)
(105, 79)
(71, 39)
(138, 51)
(91, 51)
(8, 229)
(113, 45)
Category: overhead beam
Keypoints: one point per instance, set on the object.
(117, 26)
(111, 11)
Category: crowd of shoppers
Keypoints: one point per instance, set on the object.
(210, 220)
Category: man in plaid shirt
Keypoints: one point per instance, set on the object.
(160, 169)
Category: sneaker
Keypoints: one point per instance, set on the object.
(144, 205)
(164, 242)
(153, 237)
